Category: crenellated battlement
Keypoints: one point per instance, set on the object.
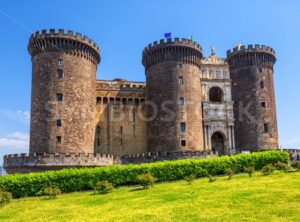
(250, 48)
(181, 50)
(55, 160)
(61, 40)
(258, 55)
(119, 84)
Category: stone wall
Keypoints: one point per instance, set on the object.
(251, 71)
(25, 163)
(120, 117)
(173, 72)
(76, 58)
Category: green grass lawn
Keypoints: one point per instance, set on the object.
(260, 198)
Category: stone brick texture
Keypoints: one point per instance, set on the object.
(248, 69)
(164, 64)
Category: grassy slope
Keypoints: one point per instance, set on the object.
(261, 198)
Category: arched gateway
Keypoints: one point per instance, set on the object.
(218, 143)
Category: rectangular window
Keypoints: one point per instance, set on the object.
(59, 97)
(58, 139)
(60, 74)
(180, 80)
(262, 84)
(60, 62)
(181, 101)
(58, 123)
(121, 129)
(182, 127)
(121, 141)
(263, 104)
(98, 142)
(98, 100)
(266, 127)
(183, 142)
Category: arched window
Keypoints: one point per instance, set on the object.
(215, 94)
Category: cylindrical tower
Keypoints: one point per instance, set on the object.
(63, 92)
(251, 71)
(173, 92)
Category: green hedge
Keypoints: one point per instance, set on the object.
(79, 179)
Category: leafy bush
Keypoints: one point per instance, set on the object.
(5, 198)
(229, 172)
(146, 180)
(268, 169)
(250, 170)
(190, 179)
(211, 178)
(79, 179)
(103, 187)
(51, 192)
(296, 165)
(281, 166)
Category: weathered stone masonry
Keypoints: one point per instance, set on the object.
(184, 109)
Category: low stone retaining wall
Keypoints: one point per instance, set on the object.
(294, 153)
(25, 163)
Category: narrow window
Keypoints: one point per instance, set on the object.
(105, 100)
(182, 127)
(60, 62)
(98, 142)
(183, 142)
(181, 101)
(121, 129)
(266, 127)
(60, 74)
(59, 97)
(262, 84)
(98, 100)
(260, 70)
(121, 141)
(263, 104)
(98, 130)
(58, 123)
(58, 139)
(180, 80)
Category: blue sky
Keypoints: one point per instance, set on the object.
(123, 28)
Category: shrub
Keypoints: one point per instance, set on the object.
(281, 166)
(146, 180)
(268, 169)
(5, 197)
(190, 179)
(211, 178)
(79, 179)
(229, 172)
(51, 192)
(103, 187)
(296, 165)
(250, 170)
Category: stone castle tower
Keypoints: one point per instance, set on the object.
(63, 92)
(189, 106)
(173, 70)
(251, 71)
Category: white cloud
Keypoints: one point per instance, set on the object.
(15, 140)
(19, 116)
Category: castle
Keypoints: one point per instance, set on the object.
(189, 106)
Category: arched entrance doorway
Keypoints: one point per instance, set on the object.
(217, 143)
